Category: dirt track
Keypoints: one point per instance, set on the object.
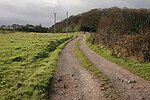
(73, 82)
(130, 86)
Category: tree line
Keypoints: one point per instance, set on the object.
(24, 28)
(124, 31)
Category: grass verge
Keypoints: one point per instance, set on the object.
(141, 69)
(104, 83)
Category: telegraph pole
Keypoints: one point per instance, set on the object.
(55, 22)
(67, 23)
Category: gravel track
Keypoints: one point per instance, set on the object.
(71, 81)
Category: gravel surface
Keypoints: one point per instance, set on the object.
(71, 81)
(130, 86)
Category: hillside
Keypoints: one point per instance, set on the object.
(125, 31)
(82, 22)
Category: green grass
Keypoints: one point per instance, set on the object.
(141, 69)
(104, 83)
(27, 64)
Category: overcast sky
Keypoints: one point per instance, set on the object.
(41, 11)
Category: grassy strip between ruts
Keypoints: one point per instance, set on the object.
(104, 83)
(141, 69)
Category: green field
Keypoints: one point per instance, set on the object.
(27, 63)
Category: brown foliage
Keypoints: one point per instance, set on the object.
(126, 32)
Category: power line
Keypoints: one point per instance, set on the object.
(67, 22)
(55, 22)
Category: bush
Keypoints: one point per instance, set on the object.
(125, 32)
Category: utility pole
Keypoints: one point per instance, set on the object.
(67, 23)
(55, 22)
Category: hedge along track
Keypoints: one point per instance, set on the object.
(106, 90)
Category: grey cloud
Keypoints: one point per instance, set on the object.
(41, 11)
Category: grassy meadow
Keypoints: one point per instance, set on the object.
(27, 63)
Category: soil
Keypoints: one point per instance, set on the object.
(130, 86)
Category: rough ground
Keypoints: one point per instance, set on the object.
(130, 86)
(72, 81)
